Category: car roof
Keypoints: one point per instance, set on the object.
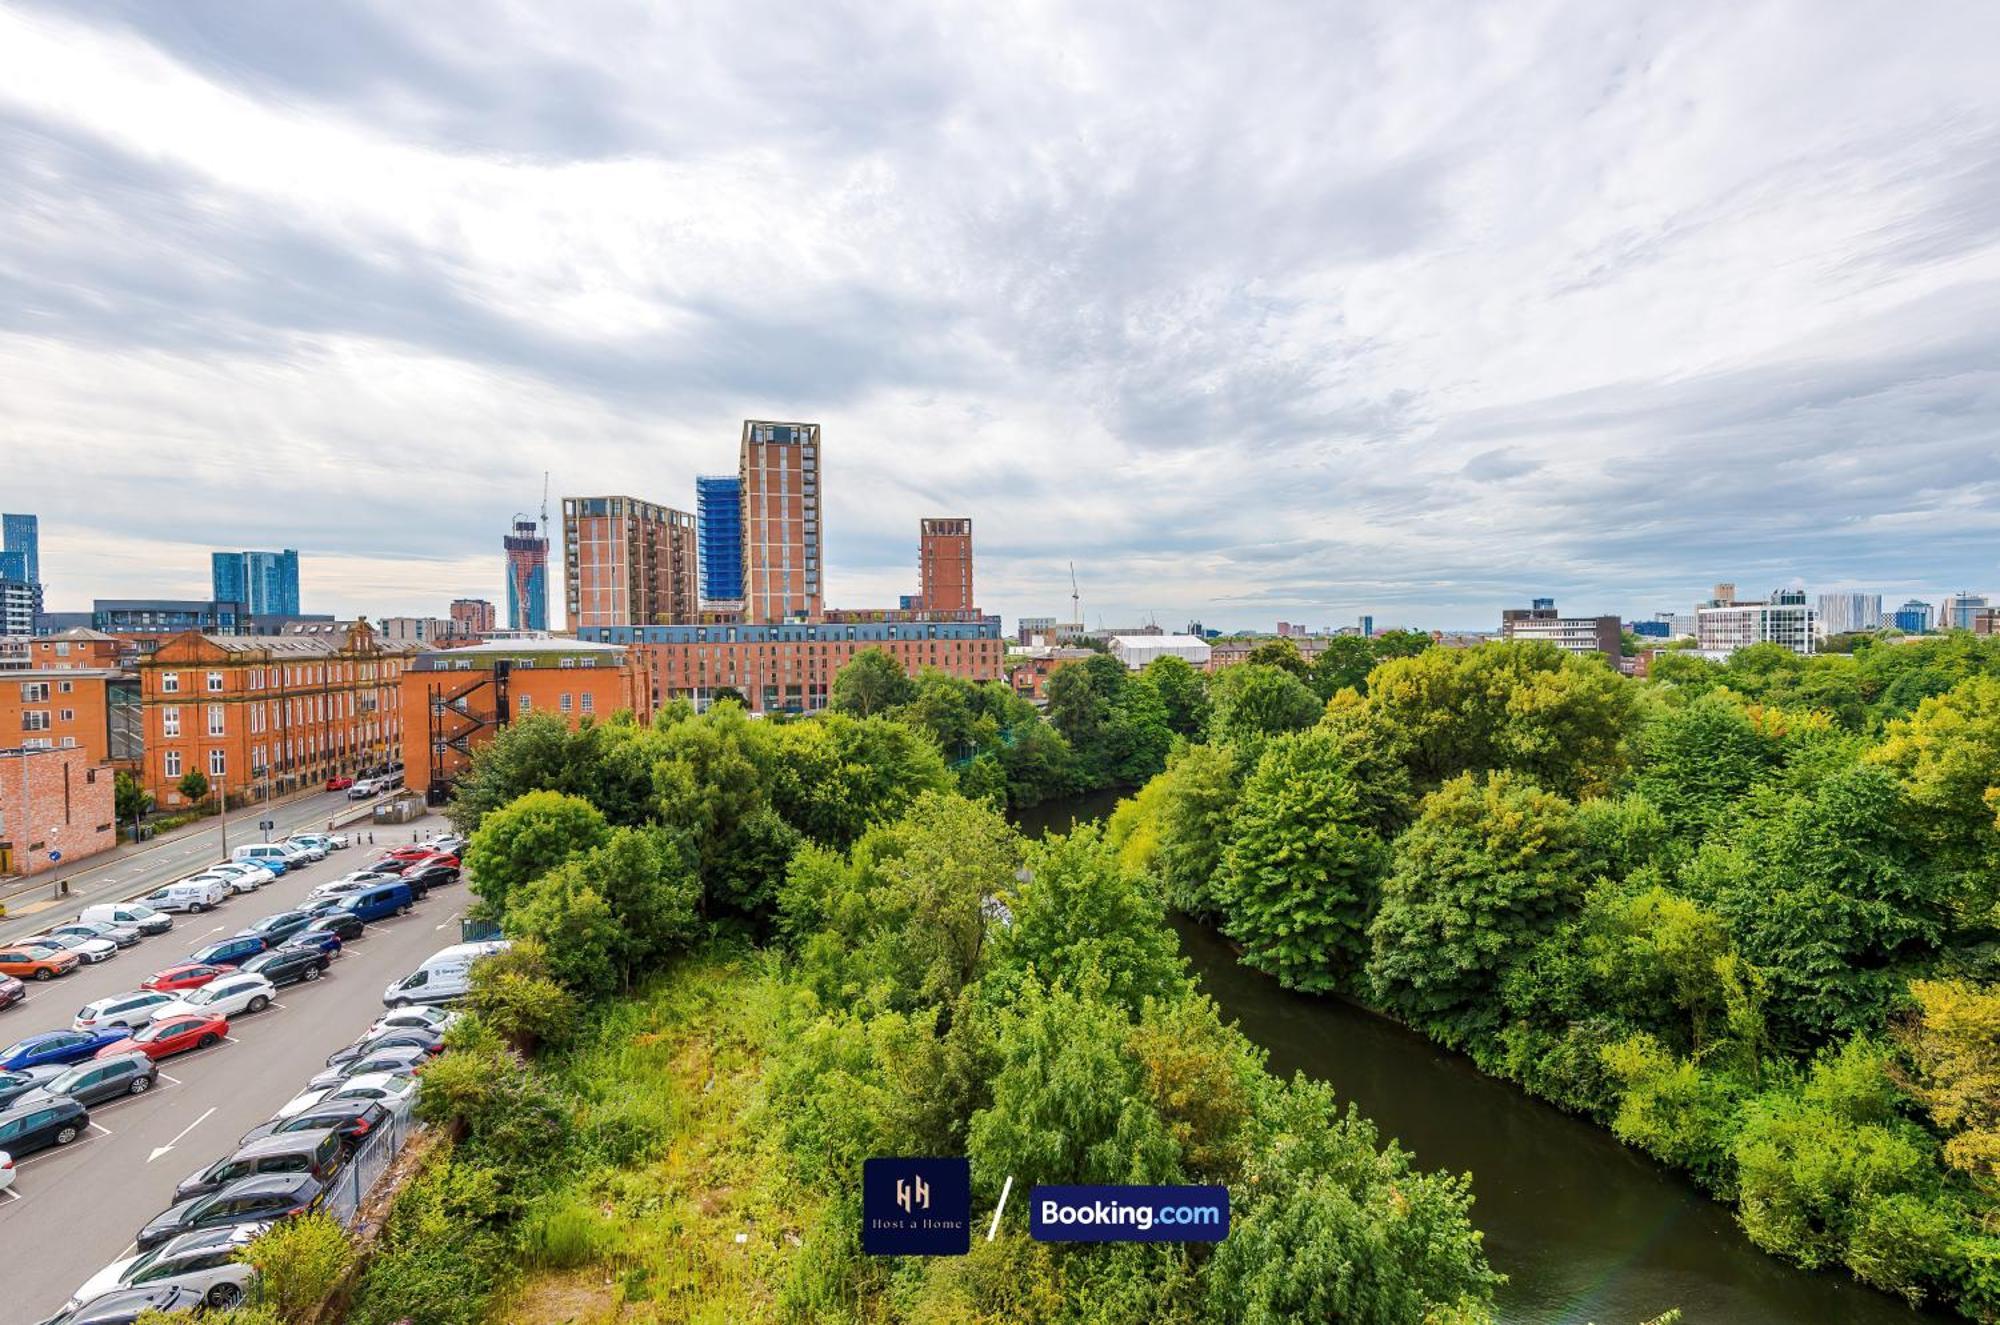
(129, 1055)
(283, 1143)
(21, 1106)
(199, 1240)
(259, 1184)
(325, 1107)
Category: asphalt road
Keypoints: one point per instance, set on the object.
(141, 870)
(75, 1210)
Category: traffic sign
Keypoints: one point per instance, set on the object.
(266, 825)
(54, 856)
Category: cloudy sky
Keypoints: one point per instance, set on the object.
(1252, 311)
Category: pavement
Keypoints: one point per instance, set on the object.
(74, 1210)
(139, 867)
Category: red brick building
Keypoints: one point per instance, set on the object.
(628, 562)
(944, 565)
(473, 617)
(779, 466)
(68, 805)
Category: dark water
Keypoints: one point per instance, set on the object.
(1585, 1229)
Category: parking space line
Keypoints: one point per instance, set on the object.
(172, 1081)
(12, 1196)
(94, 1127)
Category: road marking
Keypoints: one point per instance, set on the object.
(102, 1131)
(161, 1150)
(171, 1081)
(12, 1196)
(447, 920)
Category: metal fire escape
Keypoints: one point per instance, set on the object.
(455, 720)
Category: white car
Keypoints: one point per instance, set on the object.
(261, 873)
(314, 848)
(204, 1261)
(350, 883)
(124, 936)
(131, 1010)
(224, 996)
(6, 1170)
(420, 1018)
(386, 1088)
(191, 895)
(90, 950)
(239, 879)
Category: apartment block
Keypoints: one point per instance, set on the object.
(628, 562)
(779, 468)
(1957, 610)
(1913, 617)
(61, 802)
(268, 715)
(1541, 621)
(435, 631)
(266, 583)
(944, 565)
(1842, 613)
(473, 617)
(454, 702)
(1785, 619)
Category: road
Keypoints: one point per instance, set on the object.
(73, 1211)
(140, 870)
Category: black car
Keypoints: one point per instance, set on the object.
(289, 965)
(39, 1123)
(407, 1059)
(96, 1080)
(275, 929)
(437, 874)
(416, 1037)
(319, 1153)
(343, 925)
(353, 1121)
(265, 1197)
(127, 1305)
(13, 1085)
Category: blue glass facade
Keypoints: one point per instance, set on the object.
(1913, 617)
(21, 539)
(266, 583)
(719, 509)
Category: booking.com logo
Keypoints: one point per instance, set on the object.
(1128, 1214)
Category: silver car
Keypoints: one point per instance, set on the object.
(122, 935)
(90, 950)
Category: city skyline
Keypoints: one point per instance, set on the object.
(1352, 324)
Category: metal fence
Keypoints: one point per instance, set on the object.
(360, 1174)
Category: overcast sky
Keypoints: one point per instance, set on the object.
(1254, 311)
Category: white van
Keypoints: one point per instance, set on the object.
(136, 914)
(262, 851)
(191, 895)
(444, 976)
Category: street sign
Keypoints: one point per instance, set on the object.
(266, 825)
(54, 856)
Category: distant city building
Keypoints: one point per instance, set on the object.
(1541, 621)
(718, 504)
(1367, 624)
(1654, 629)
(75, 699)
(19, 601)
(1037, 629)
(628, 562)
(1913, 617)
(432, 630)
(266, 583)
(167, 616)
(474, 616)
(944, 565)
(1029, 669)
(1724, 595)
(527, 577)
(1135, 651)
(1845, 613)
(1785, 620)
(55, 623)
(780, 470)
(1285, 629)
(21, 548)
(1956, 612)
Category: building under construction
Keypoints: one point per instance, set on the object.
(527, 577)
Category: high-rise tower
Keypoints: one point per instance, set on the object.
(527, 577)
(627, 562)
(944, 564)
(780, 472)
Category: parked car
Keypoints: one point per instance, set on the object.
(349, 884)
(336, 923)
(250, 869)
(275, 929)
(128, 1304)
(407, 1058)
(444, 975)
(189, 895)
(426, 1018)
(271, 855)
(99, 1079)
(386, 1088)
(31, 1125)
(123, 936)
(229, 952)
(126, 1011)
(381, 901)
(183, 975)
(423, 1037)
(91, 950)
(362, 788)
(226, 996)
(6, 1170)
(204, 1261)
(454, 843)
(13, 1085)
(289, 965)
(136, 914)
(37, 961)
(264, 1198)
(351, 1120)
(12, 991)
(318, 1153)
(174, 1033)
(235, 883)
(52, 1048)
(314, 850)
(339, 782)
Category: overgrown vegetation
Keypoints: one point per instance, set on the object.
(1743, 913)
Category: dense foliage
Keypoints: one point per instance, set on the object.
(1742, 913)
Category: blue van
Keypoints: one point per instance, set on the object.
(384, 899)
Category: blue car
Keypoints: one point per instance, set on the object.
(320, 940)
(229, 952)
(57, 1047)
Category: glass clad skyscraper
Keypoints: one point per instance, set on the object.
(719, 510)
(265, 583)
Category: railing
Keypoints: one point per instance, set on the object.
(360, 1174)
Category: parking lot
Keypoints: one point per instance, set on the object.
(73, 1210)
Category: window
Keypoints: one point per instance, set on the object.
(565, 701)
(170, 682)
(171, 764)
(527, 704)
(215, 720)
(34, 691)
(215, 681)
(64, 687)
(170, 720)
(588, 698)
(69, 715)
(216, 763)
(34, 720)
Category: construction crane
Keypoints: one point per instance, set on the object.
(545, 503)
(1075, 600)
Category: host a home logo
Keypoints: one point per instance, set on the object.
(916, 1207)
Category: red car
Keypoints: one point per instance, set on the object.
(187, 975)
(339, 782)
(171, 1035)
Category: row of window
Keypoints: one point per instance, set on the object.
(37, 720)
(291, 675)
(566, 702)
(37, 692)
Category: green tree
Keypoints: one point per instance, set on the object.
(1400, 644)
(299, 1263)
(1947, 758)
(606, 763)
(1253, 701)
(514, 995)
(712, 781)
(1953, 1043)
(830, 779)
(193, 786)
(1343, 663)
(1282, 654)
(130, 799)
(1695, 761)
(532, 835)
(575, 925)
(1183, 692)
(1673, 1109)
(1487, 870)
(1184, 816)
(871, 682)
(1299, 878)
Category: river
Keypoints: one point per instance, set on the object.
(1585, 1229)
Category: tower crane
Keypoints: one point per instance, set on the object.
(1075, 600)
